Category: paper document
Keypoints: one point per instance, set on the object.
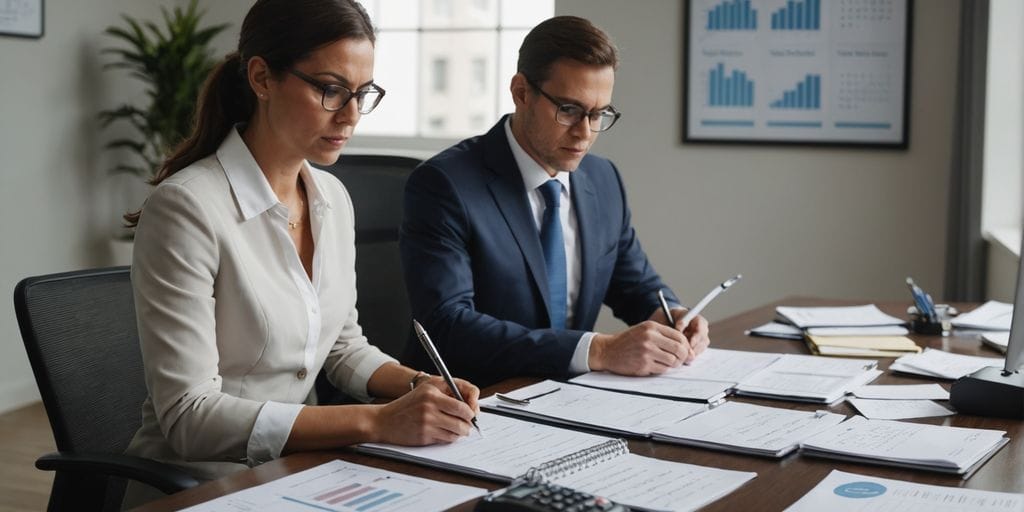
(585, 462)
(849, 492)
(879, 330)
(723, 365)
(658, 385)
(992, 315)
(914, 445)
(777, 330)
(809, 378)
(942, 364)
(748, 428)
(618, 413)
(997, 340)
(844, 316)
(344, 486)
(902, 392)
(898, 409)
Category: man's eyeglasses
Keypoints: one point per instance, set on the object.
(335, 97)
(568, 114)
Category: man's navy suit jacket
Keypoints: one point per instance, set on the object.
(475, 272)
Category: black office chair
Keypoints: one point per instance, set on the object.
(82, 342)
(376, 184)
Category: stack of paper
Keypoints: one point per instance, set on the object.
(777, 330)
(997, 340)
(990, 316)
(809, 378)
(581, 406)
(911, 445)
(747, 428)
(847, 316)
(862, 346)
(848, 492)
(944, 365)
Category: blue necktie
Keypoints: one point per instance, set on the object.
(554, 252)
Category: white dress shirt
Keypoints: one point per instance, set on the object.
(533, 177)
(232, 331)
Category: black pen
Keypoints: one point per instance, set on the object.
(666, 309)
(428, 346)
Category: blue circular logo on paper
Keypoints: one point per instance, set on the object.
(860, 490)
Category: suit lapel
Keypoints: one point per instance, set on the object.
(510, 195)
(584, 201)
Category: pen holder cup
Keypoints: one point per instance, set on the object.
(920, 324)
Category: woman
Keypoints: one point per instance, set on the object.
(244, 262)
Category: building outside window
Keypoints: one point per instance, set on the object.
(446, 64)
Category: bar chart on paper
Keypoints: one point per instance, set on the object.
(732, 15)
(734, 90)
(806, 95)
(340, 486)
(798, 15)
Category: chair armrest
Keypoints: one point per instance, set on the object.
(165, 477)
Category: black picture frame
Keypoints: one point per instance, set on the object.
(23, 18)
(897, 134)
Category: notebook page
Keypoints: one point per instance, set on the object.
(598, 407)
(654, 484)
(507, 448)
(722, 365)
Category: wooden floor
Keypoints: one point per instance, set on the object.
(24, 436)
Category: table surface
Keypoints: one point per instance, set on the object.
(779, 482)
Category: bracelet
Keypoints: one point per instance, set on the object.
(416, 379)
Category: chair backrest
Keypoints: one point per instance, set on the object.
(376, 184)
(82, 341)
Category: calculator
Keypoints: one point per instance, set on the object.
(541, 497)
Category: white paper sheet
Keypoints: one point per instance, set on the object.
(902, 392)
(749, 427)
(706, 390)
(849, 492)
(777, 330)
(877, 330)
(898, 409)
(992, 315)
(723, 365)
(656, 484)
(912, 443)
(344, 486)
(814, 378)
(597, 407)
(938, 363)
(845, 316)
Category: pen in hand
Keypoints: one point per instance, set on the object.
(665, 309)
(442, 369)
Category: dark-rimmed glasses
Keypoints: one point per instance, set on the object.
(335, 96)
(569, 114)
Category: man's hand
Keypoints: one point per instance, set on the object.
(696, 333)
(648, 348)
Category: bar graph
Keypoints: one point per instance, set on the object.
(806, 95)
(732, 15)
(735, 90)
(798, 15)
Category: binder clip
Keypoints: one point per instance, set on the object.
(938, 324)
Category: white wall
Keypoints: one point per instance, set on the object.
(843, 223)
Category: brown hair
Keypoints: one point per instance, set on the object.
(564, 37)
(282, 32)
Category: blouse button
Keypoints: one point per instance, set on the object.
(301, 374)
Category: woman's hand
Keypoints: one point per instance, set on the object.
(428, 414)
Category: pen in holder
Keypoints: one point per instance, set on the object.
(926, 317)
(938, 325)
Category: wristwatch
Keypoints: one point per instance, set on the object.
(417, 378)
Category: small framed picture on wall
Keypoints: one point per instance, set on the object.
(21, 18)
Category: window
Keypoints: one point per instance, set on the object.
(440, 74)
(446, 64)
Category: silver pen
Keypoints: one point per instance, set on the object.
(431, 350)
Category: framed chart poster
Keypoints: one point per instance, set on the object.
(21, 18)
(833, 72)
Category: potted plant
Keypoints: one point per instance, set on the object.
(173, 62)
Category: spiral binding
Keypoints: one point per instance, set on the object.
(574, 462)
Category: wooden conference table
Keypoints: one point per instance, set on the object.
(779, 482)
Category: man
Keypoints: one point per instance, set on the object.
(512, 240)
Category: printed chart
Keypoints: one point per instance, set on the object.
(797, 71)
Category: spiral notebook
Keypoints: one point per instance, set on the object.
(511, 448)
